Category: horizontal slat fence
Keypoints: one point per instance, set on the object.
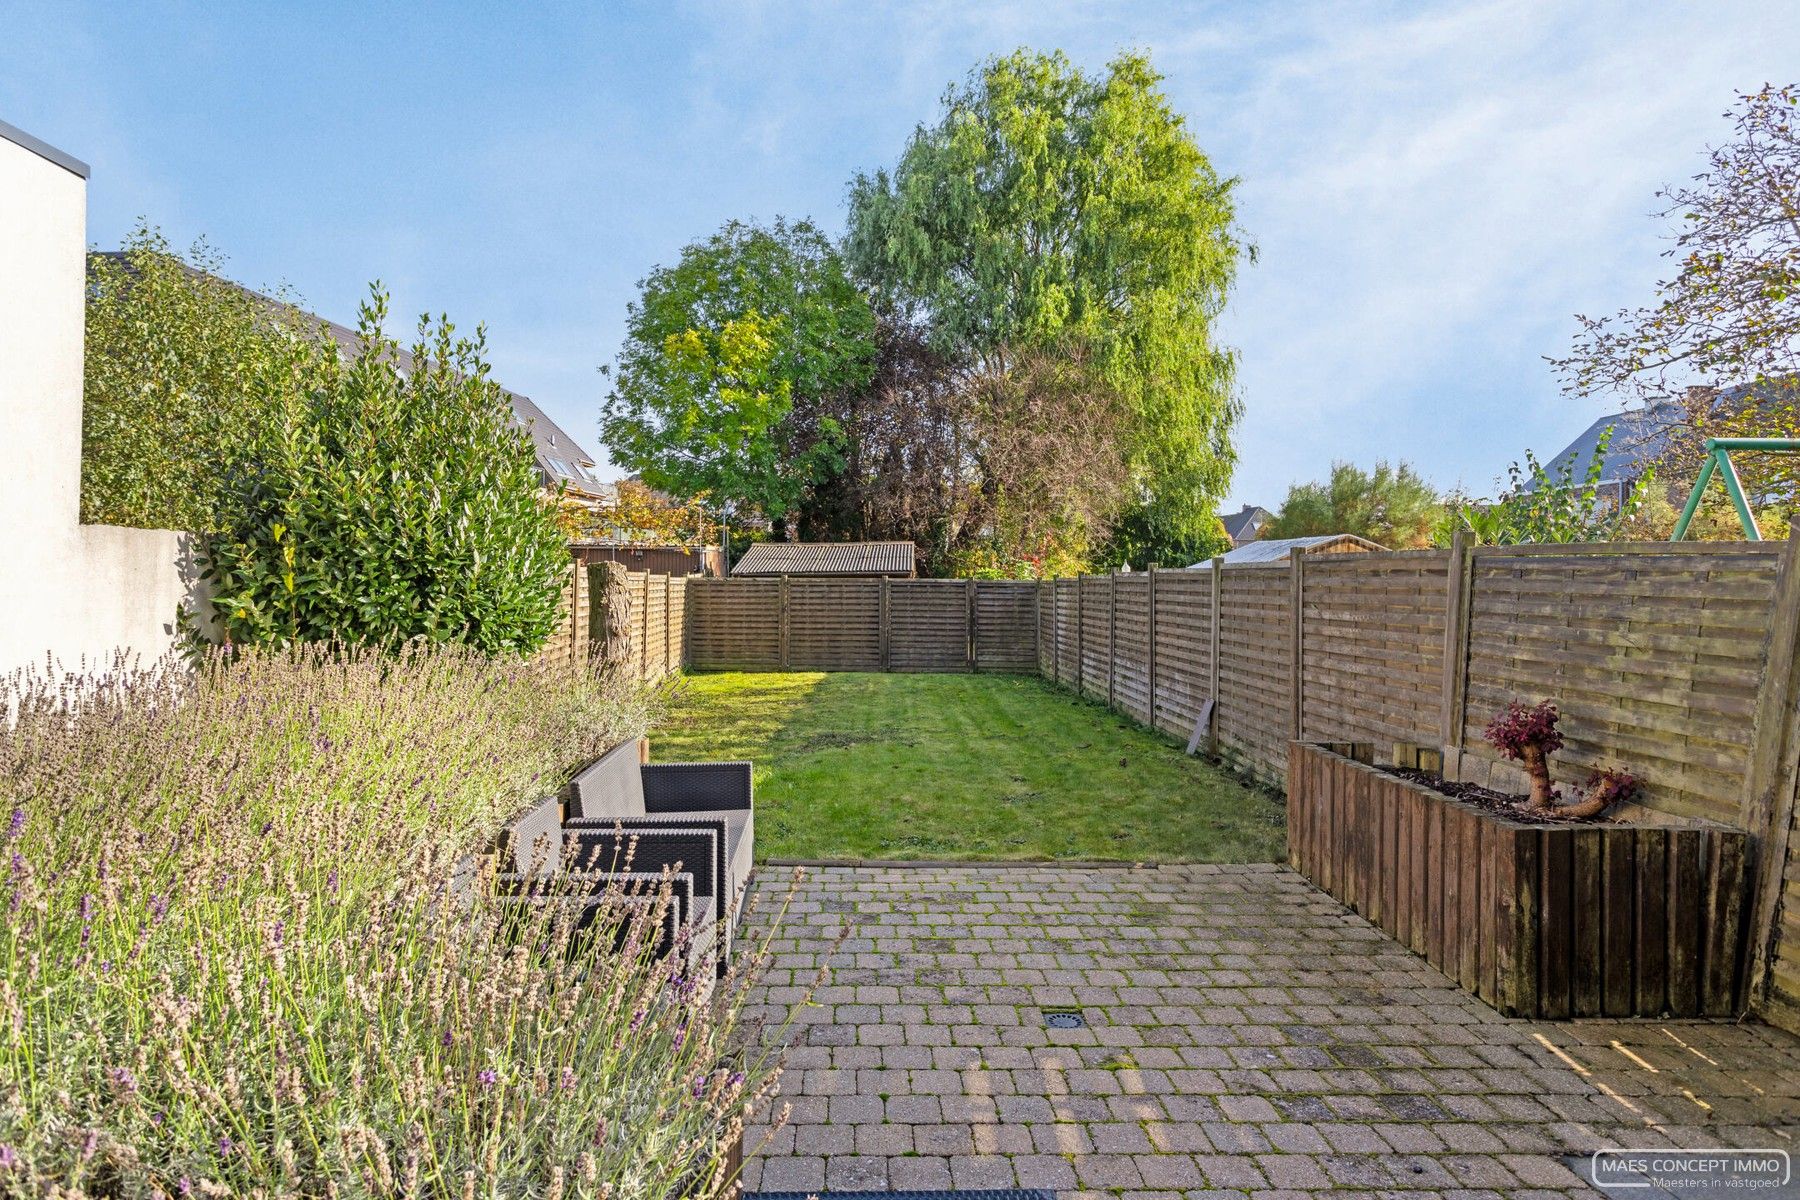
(862, 624)
(1653, 659)
(1653, 652)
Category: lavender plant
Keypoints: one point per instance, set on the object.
(233, 961)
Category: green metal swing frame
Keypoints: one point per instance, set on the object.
(1718, 462)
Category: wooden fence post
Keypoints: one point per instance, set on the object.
(1218, 595)
(1112, 636)
(969, 624)
(886, 619)
(1767, 807)
(1459, 581)
(1150, 644)
(781, 610)
(1296, 641)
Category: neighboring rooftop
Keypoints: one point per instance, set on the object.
(1246, 524)
(560, 458)
(827, 558)
(1639, 437)
(1278, 549)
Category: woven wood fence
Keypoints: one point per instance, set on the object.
(856, 624)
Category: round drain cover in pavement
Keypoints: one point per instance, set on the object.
(1064, 1020)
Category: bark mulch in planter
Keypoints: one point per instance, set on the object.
(1497, 804)
(1549, 919)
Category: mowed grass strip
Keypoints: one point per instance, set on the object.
(853, 766)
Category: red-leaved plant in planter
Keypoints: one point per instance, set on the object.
(1528, 735)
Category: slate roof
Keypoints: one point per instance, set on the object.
(1639, 438)
(1243, 522)
(1277, 549)
(827, 558)
(560, 458)
(1641, 435)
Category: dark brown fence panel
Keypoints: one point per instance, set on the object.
(735, 624)
(1006, 625)
(1183, 648)
(1653, 658)
(928, 625)
(1372, 647)
(834, 624)
(1255, 667)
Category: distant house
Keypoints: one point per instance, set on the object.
(1643, 435)
(1245, 525)
(892, 559)
(560, 459)
(1279, 549)
(1640, 436)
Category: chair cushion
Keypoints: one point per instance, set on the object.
(610, 786)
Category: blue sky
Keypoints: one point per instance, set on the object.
(1434, 188)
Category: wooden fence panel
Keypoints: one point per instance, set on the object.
(656, 625)
(1068, 655)
(1183, 649)
(834, 624)
(1372, 638)
(570, 635)
(1255, 660)
(1093, 632)
(1653, 658)
(1006, 622)
(1131, 646)
(736, 624)
(929, 625)
(678, 622)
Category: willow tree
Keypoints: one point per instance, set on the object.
(1048, 206)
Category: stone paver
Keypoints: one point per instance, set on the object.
(1245, 1036)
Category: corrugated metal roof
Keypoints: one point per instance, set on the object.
(1276, 549)
(826, 558)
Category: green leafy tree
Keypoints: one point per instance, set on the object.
(173, 356)
(1048, 205)
(1551, 505)
(735, 364)
(1391, 505)
(381, 500)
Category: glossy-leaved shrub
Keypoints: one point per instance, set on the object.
(381, 498)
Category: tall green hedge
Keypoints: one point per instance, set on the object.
(374, 504)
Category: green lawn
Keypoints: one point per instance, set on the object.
(961, 767)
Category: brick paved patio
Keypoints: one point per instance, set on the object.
(1246, 1036)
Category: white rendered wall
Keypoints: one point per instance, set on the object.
(69, 592)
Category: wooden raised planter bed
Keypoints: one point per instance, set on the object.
(1537, 920)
